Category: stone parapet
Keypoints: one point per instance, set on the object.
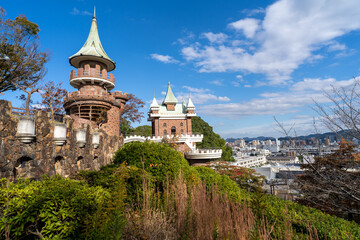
(91, 96)
(92, 73)
(44, 155)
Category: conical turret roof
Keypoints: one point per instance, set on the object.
(170, 98)
(190, 104)
(154, 103)
(92, 50)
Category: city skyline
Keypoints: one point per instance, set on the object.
(242, 62)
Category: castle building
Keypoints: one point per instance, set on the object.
(93, 103)
(172, 118)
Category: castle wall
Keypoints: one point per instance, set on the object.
(42, 156)
(177, 124)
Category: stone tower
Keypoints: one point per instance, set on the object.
(93, 103)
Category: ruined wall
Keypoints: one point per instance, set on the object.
(42, 156)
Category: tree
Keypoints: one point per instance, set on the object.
(53, 98)
(29, 88)
(131, 113)
(343, 112)
(144, 130)
(332, 183)
(21, 62)
(211, 139)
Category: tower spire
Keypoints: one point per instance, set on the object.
(92, 48)
(170, 98)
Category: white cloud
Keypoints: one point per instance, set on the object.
(248, 25)
(278, 103)
(290, 34)
(76, 11)
(235, 83)
(317, 84)
(200, 95)
(302, 126)
(196, 90)
(163, 58)
(218, 82)
(336, 47)
(215, 37)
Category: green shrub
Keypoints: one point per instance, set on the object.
(106, 178)
(222, 182)
(301, 217)
(53, 208)
(161, 161)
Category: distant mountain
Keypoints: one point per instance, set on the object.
(320, 136)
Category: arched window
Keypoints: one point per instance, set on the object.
(164, 124)
(165, 132)
(181, 124)
(173, 130)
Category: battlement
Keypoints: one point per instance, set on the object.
(90, 96)
(121, 95)
(87, 74)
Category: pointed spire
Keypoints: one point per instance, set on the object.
(92, 48)
(154, 103)
(170, 98)
(190, 104)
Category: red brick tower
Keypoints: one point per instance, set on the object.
(93, 103)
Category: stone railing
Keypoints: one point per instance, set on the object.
(93, 73)
(177, 138)
(200, 154)
(90, 95)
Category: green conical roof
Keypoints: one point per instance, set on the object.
(170, 98)
(92, 49)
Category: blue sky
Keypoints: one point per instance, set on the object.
(242, 61)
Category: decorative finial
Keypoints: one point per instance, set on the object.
(94, 12)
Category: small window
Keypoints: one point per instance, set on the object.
(182, 130)
(173, 130)
(181, 124)
(165, 132)
(164, 124)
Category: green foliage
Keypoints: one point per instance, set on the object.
(21, 62)
(144, 130)
(211, 139)
(223, 183)
(107, 178)
(53, 208)
(246, 178)
(300, 217)
(161, 161)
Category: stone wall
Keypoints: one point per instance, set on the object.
(42, 156)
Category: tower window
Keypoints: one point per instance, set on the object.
(164, 124)
(181, 124)
(173, 130)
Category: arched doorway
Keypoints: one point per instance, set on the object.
(173, 130)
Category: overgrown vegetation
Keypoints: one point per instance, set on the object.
(150, 192)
